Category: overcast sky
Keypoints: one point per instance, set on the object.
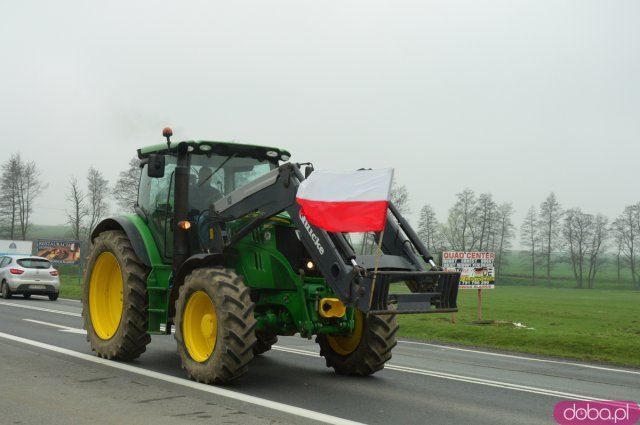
(515, 98)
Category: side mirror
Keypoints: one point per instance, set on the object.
(155, 166)
(308, 170)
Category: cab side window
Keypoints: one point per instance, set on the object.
(155, 199)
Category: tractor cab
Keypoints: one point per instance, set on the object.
(191, 176)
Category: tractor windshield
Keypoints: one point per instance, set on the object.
(227, 173)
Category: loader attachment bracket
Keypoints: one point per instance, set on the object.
(431, 292)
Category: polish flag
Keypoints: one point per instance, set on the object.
(354, 201)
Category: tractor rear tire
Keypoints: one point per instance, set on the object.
(264, 341)
(366, 350)
(114, 298)
(215, 325)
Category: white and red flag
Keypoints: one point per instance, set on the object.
(354, 201)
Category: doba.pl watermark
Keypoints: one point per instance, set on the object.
(596, 412)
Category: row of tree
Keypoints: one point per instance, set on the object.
(584, 239)
(89, 206)
(20, 186)
(549, 234)
(474, 223)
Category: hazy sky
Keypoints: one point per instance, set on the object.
(515, 98)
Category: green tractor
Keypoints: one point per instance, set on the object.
(218, 250)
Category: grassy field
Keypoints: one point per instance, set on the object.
(598, 325)
(70, 287)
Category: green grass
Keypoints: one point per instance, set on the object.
(595, 325)
(70, 287)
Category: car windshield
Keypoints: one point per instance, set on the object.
(34, 263)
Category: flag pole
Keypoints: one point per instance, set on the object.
(377, 263)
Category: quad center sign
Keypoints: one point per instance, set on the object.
(476, 268)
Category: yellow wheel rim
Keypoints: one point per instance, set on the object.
(105, 295)
(200, 326)
(345, 345)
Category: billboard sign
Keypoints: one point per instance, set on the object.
(8, 247)
(59, 251)
(476, 268)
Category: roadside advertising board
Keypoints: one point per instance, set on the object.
(476, 268)
(59, 251)
(8, 247)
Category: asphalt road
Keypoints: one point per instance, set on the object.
(49, 375)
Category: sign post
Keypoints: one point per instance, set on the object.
(476, 272)
(479, 304)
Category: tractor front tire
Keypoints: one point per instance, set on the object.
(114, 298)
(215, 326)
(365, 350)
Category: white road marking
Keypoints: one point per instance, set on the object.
(479, 381)
(292, 410)
(62, 328)
(512, 356)
(48, 310)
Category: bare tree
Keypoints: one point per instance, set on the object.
(505, 231)
(78, 212)
(29, 187)
(619, 243)
(627, 231)
(429, 229)
(549, 225)
(486, 220)
(460, 230)
(97, 192)
(529, 237)
(576, 231)
(599, 238)
(400, 197)
(125, 190)
(9, 198)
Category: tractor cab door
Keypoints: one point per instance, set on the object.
(156, 200)
(210, 178)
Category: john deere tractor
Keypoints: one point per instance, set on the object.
(218, 250)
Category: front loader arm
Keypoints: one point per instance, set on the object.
(354, 279)
(276, 192)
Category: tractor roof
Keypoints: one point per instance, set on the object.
(206, 147)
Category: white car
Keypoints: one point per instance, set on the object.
(28, 275)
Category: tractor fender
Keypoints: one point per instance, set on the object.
(132, 232)
(194, 262)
